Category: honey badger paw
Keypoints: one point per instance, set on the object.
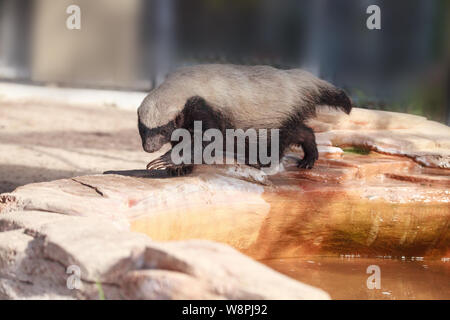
(178, 171)
(308, 161)
(158, 164)
(165, 163)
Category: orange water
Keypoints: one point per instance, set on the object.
(346, 278)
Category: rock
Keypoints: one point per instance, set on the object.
(365, 203)
(37, 249)
(427, 142)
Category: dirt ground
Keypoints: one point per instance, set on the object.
(43, 141)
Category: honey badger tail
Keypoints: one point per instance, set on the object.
(335, 97)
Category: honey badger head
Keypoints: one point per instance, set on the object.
(154, 138)
(155, 131)
(159, 116)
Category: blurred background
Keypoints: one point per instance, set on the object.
(133, 44)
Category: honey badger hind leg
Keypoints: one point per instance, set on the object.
(164, 162)
(303, 136)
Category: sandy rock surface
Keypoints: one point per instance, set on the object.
(44, 142)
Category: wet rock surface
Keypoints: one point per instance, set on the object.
(41, 253)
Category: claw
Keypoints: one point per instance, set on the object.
(157, 164)
(165, 163)
(306, 163)
(160, 163)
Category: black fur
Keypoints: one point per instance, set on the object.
(335, 98)
(165, 130)
(295, 132)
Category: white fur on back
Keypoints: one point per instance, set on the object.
(254, 96)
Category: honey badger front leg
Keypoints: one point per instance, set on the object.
(196, 109)
(165, 162)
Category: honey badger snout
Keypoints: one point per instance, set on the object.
(152, 139)
(153, 143)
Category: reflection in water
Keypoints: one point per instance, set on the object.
(345, 278)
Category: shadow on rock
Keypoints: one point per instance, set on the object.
(153, 174)
(13, 176)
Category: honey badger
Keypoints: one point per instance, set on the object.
(236, 97)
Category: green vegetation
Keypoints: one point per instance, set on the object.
(357, 150)
(101, 294)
